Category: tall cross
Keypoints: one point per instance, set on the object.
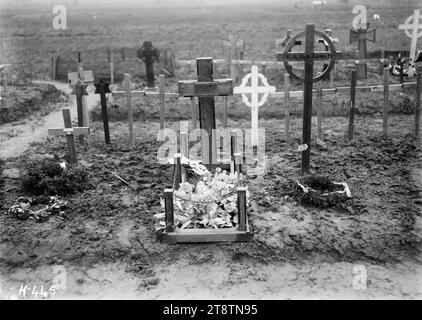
(206, 88)
(102, 87)
(411, 27)
(309, 56)
(361, 36)
(256, 101)
(80, 91)
(148, 53)
(70, 133)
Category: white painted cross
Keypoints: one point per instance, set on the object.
(254, 90)
(411, 28)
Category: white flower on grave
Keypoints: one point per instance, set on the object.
(377, 17)
(63, 165)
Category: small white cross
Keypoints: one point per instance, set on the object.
(411, 27)
(254, 90)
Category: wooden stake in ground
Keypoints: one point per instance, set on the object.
(255, 91)
(319, 110)
(110, 58)
(206, 88)
(386, 102)
(352, 105)
(80, 91)
(361, 36)
(126, 86)
(411, 27)
(147, 53)
(102, 87)
(309, 56)
(418, 64)
(162, 100)
(70, 133)
(287, 106)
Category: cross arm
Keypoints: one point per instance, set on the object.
(369, 35)
(193, 88)
(316, 56)
(77, 131)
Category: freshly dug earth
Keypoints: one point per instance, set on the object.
(21, 101)
(113, 222)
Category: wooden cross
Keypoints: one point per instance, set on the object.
(206, 88)
(80, 90)
(70, 133)
(147, 53)
(233, 43)
(256, 101)
(102, 87)
(361, 36)
(411, 27)
(309, 56)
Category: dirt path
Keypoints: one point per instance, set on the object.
(18, 136)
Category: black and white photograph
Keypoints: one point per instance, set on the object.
(222, 151)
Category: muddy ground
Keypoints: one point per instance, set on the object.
(112, 225)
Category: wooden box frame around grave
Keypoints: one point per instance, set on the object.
(206, 88)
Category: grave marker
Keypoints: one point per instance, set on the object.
(70, 133)
(386, 102)
(411, 27)
(206, 89)
(233, 43)
(80, 90)
(102, 87)
(148, 53)
(309, 56)
(126, 86)
(418, 63)
(352, 105)
(361, 36)
(254, 90)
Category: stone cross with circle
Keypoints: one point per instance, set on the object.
(256, 101)
(411, 27)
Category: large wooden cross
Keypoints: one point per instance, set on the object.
(148, 53)
(80, 91)
(361, 36)
(206, 88)
(411, 27)
(256, 100)
(70, 133)
(309, 56)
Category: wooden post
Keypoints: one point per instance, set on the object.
(85, 113)
(177, 171)
(401, 64)
(332, 75)
(319, 109)
(80, 91)
(287, 106)
(193, 111)
(122, 51)
(233, 144)
(382, 64)
(184, 151)
(418, 104)
(110, 55)
(386, 102)
(126, 85)
(307, 101)
(162, 101)
(53, 68)
(241, 207)
(225, 110)
(102, 87)
(70, 137)
(169, 216)
(352, 104)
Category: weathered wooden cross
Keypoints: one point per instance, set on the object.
(102, 87)
(80, 90)
(309, 56)
(70, 133)
(148, 53)
(233, 43)
(361, 36)
(206, 88)
(411, 27)
(256, 101)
